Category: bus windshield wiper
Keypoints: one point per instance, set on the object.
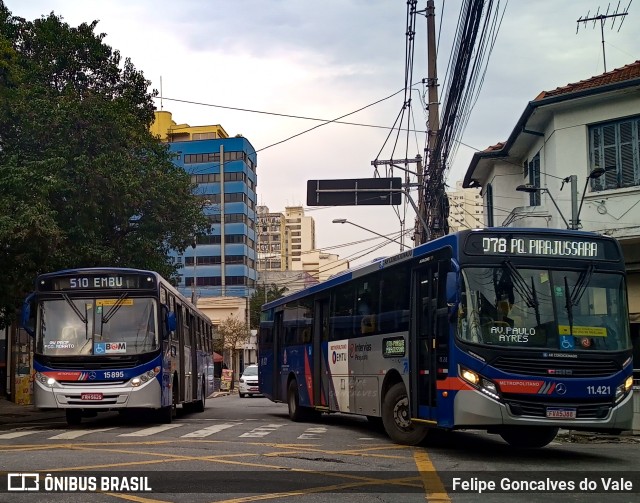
(573, 298)
(114, 309)
(82, 317)
(529, 294)
(568, 305)
(581, 285)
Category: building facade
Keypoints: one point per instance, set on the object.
(287, 243)
(222, 263)
(300, 236)
(466, 208)
(573, 161)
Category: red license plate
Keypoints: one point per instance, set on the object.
(254, 388)
(91, 396)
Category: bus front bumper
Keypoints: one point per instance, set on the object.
(97, 396)
(474, 409)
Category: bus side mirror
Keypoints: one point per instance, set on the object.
(28, 319)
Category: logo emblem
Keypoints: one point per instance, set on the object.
(561, 389)
(23, 482)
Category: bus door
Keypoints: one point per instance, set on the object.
(278, 335)
(181, 329)
(187, 359)
(320, 339)
(428, 350)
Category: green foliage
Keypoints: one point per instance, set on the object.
(82, 180)
(262, 295)
(231, 334)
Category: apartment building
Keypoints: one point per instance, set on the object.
(287, 243)
(466, 208)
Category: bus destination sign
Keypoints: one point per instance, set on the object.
(539, 246)
(97, 282)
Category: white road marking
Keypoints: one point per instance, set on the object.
(209, 430)
(150, 431)
(262, 431)
(70, 435)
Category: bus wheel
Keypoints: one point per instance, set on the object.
(296, 412)
(199, 405)
(529, 437)
(397, 418)
(74, 417)
(293, 400)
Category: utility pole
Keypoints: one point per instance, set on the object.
(395, 163)
(603, 18)
(428, 204)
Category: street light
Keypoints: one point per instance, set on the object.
(345, 221)
(575, 215)
(595, 173)
(530, 189)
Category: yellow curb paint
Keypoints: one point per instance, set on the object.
(433, 486)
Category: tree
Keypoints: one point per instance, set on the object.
(261, 296)
(82, 180)
(231, 334)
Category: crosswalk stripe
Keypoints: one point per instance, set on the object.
(262, 431)
(150, 431)
(209, 430)
(70, 435)
(311, 433)
(17, 434)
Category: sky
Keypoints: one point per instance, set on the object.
(330, 58)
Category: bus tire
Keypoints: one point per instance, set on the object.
(296, 412)
(396, 418)
(198, 406)
(293, 401)
(74, 417)
(529, 437)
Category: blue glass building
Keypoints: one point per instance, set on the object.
(223, 263)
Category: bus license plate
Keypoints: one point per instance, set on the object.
(555, 413)
(91, 396)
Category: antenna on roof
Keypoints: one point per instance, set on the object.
(603, 19)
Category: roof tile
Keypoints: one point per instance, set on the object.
(627, 72)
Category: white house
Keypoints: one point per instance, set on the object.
(590, 129)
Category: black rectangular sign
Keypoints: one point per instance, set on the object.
(106, 281)
(536, 245)
(354, 192)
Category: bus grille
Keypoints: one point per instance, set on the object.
(125, 362)
(92, 383)
(537, 409)
(556, 367)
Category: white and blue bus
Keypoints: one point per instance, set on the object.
(518, 332)
(116, 339)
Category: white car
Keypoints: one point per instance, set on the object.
(249, 382)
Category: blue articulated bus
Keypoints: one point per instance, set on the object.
(116, 339)
(518, 332)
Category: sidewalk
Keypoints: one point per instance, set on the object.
(12, 413)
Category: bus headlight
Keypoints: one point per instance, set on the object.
(624, 388)
(47, 381)
(479, 382)
(145, 377)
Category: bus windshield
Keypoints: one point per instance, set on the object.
(542, 308)
(100, 327)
